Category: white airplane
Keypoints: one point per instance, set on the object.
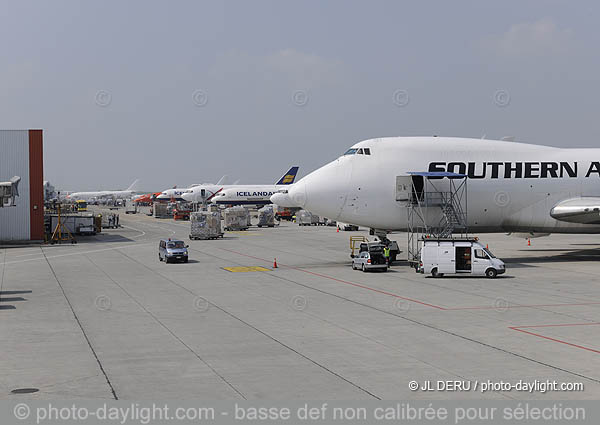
(116, 194)
(511, 187)
(240, 194)
(176, 194)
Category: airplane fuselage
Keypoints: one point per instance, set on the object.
(511, 187)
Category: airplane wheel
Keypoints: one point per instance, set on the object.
(491, 273)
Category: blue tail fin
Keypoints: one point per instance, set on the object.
(288, 178)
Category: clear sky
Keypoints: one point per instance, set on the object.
(182, 92)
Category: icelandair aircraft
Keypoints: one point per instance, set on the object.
(176, 194)
(240, 194)
(511, 187)
(104, 194)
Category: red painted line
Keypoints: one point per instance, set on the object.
(522, 306)
(342, 281)
(559, 325)
(560, 341)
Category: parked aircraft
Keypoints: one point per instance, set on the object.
(511, 187)
(103, 194)
(176, 194)
(240, 194)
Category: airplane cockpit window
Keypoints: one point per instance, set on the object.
(358, 151)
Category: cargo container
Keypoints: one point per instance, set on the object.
(236, 218)
(266, 216)
(205, 225)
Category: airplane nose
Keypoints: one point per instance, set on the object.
(325, 190)
(283, 200)
(296, 194)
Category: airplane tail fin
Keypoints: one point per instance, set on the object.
(288, 178)
(223, 180)
(133, 185)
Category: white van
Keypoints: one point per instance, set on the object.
(459, 256)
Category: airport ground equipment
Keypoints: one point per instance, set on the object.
(346, 226)
(182, 211)
(161, 210)
(61, 233)
(205, 225)
(306, 218)
(286, 213)
(381, 235)
(131, 207)
(81, 205)
(9, 191)
(458, 256)
(236, 218)
(76, 224)
(266, 216)
(436, 203)
(355, 242)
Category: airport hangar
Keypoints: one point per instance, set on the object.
(21, 154)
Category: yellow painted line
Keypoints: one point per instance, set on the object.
(243, 233)
(241, 269)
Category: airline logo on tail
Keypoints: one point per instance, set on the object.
(288, 178)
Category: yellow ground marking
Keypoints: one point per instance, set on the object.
(242, 269)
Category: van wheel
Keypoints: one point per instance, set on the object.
(364, 269)
(435, 273)
(353, 266)
(491, 273)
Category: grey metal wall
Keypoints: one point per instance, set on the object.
(14, 161)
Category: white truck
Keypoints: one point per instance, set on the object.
(459, 256)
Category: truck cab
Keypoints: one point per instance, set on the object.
(460, 257)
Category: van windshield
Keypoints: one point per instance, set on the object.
(175, 244)
(489, 253)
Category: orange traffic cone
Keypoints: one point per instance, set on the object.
(528, 242)
(275, 263)
(338, 230)
(486, 246)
